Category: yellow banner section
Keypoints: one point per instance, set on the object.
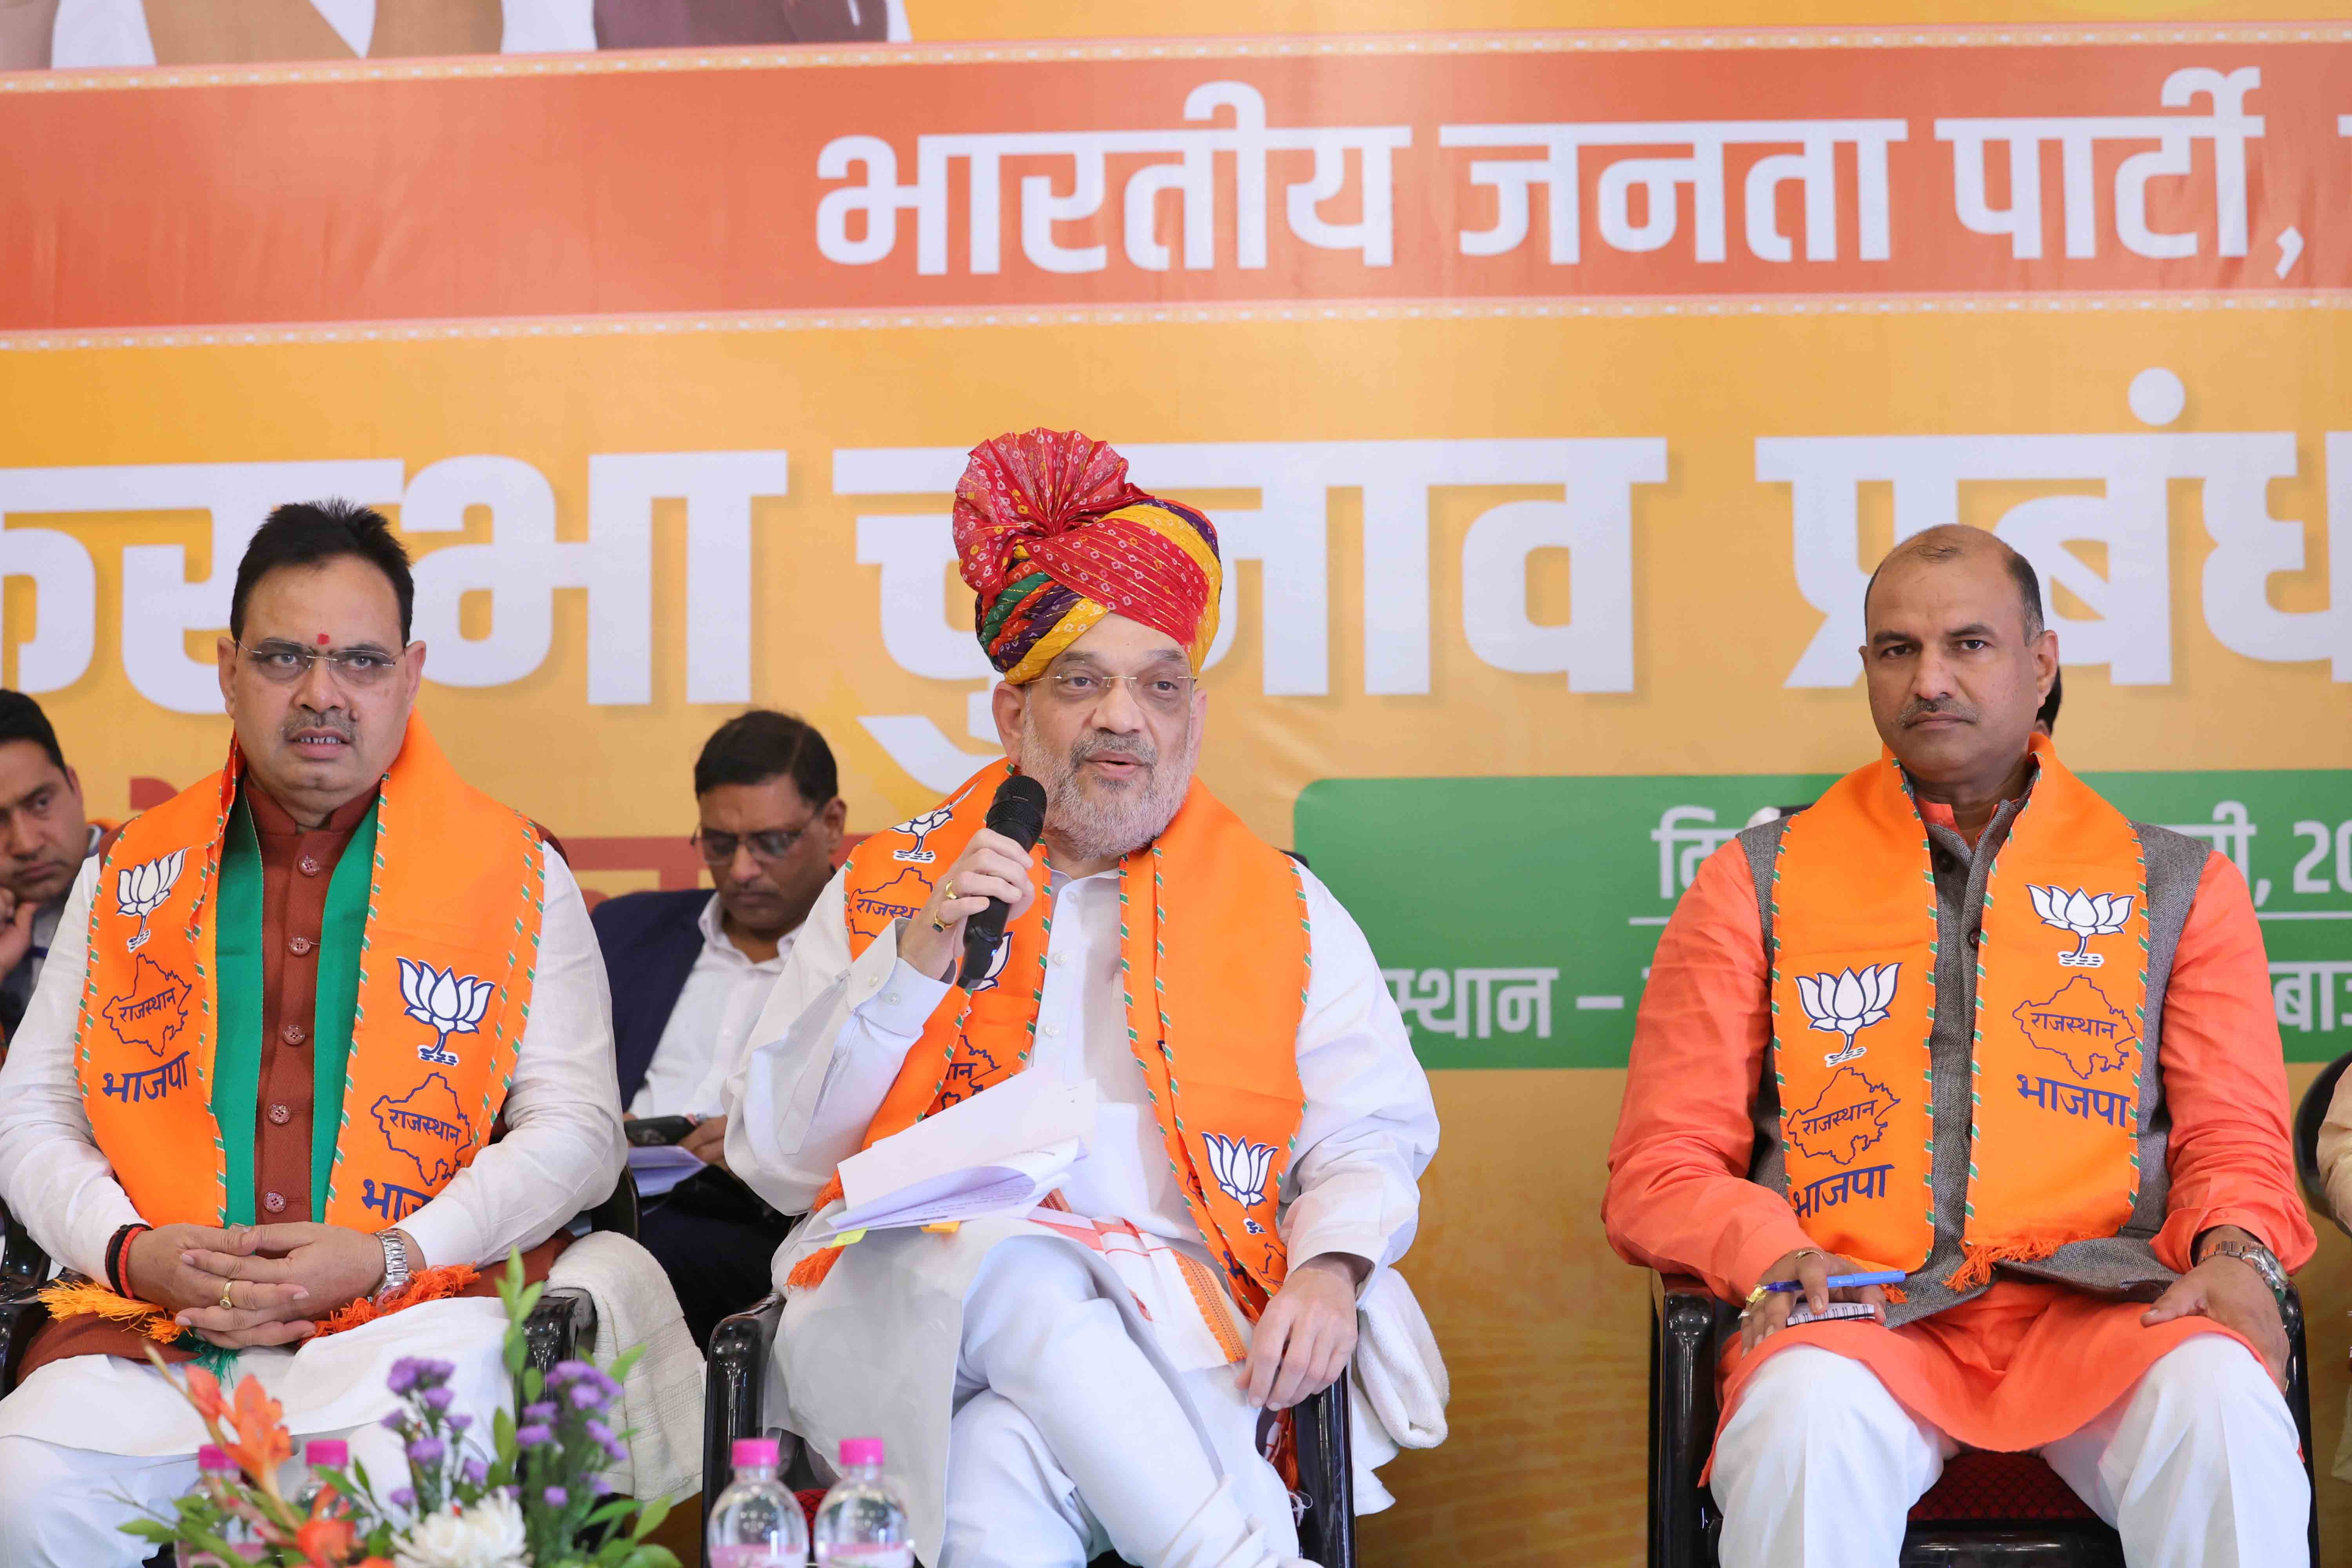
(1518, 545)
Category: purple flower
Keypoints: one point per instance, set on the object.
(532, 1435)
(587, 1396)
(427, 1451)
(556, 1497)
(599, 1431)
(616, 1451)
(403, 1374)
(460, 1421)
(437, 1370)
(477, 1471)
(401, 1497)
(568, 1371)
(543, 1410)
(439, 1398)
(393, 1420)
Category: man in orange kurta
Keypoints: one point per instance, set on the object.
(2118, 1308)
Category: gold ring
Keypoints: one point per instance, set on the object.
(947, 890)
(227, 1305)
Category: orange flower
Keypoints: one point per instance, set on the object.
(325, 1543)
(205, 1394)
(263, 1443)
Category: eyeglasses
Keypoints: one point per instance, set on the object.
(286, 663)
(767, 847)
(1158, 692)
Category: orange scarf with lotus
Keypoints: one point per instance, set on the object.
(2062, 987)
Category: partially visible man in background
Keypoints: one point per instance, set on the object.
(691, 972)
(44, 838)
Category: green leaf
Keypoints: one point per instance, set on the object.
(628, 1359)
(533, 1385)
(609, 1511)
(650, 1520)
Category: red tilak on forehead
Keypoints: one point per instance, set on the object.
(322, 639)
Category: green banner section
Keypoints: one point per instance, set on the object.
(1514, 918)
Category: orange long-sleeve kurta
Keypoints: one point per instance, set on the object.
(2025, 1362)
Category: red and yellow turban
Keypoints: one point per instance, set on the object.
(1052, 537)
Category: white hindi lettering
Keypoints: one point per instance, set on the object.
(1558, 171)
(2311, 995)
(2130, 630)
(878, 199)
(1484, 1001)
(1686, 835)
(1288, 534)
(2227, 127)
(519, 566)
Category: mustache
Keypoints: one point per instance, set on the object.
(1128, 748)
(334, 722)
(1945, 707)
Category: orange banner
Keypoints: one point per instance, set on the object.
(1536, 166)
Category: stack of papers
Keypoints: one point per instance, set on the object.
(997, 1152)
(658, 1167)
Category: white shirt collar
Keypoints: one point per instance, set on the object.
(717, 944)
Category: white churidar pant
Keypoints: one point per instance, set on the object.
(1067, 1442)
(2197, 1465)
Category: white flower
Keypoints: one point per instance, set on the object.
(1239, 1165)
(444, 1001)
(487, 1535)
(1850, 1001)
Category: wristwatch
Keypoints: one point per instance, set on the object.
(2259, 1259)
(395, 1262)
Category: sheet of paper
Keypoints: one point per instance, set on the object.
(658, 1167)
(1028, 1112)
(1010, 1186)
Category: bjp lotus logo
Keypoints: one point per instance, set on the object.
(142, 889)
(1240, 1166)
(2084, 916)
(1848, 1003)
(922, 827)
(444, 1001)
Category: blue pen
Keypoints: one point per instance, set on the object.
(1842, 1281)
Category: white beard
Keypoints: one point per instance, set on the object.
(1090, 821)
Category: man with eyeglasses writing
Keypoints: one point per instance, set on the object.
(691, 970)
(257, 1082)
(1054, 1384)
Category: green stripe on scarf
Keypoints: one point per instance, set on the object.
(236, 1063)
(237, 1059)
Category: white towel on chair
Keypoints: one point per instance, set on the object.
(661, 1399)
(1398, 1383)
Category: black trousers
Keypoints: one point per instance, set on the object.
(719, 1254)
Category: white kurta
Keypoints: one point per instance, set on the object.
(561, 1153)
(709, 1024)
(877, 1347)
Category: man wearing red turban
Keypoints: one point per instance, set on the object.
(1094, 1375)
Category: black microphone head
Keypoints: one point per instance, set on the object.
(1018, 812)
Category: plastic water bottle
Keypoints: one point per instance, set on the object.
(321, 1454)
(756, 1522)
(222, 1474)
(862, 1523)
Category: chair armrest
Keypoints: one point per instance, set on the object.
(733, 1391)
(21, 1317)
(620, 1211)
(1326, 1473)
(563, 1321)
(21, 1258)
(1683, 1412)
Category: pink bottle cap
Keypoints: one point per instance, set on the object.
(861, 1450)
(211, 1458)
(327, 1453)
(755, 1451)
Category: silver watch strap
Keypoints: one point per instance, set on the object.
(395, 1262)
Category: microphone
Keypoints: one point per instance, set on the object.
(1018, 813)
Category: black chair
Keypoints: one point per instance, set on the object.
(1989, 1510)
(2308, 1117)
(732, 1408)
